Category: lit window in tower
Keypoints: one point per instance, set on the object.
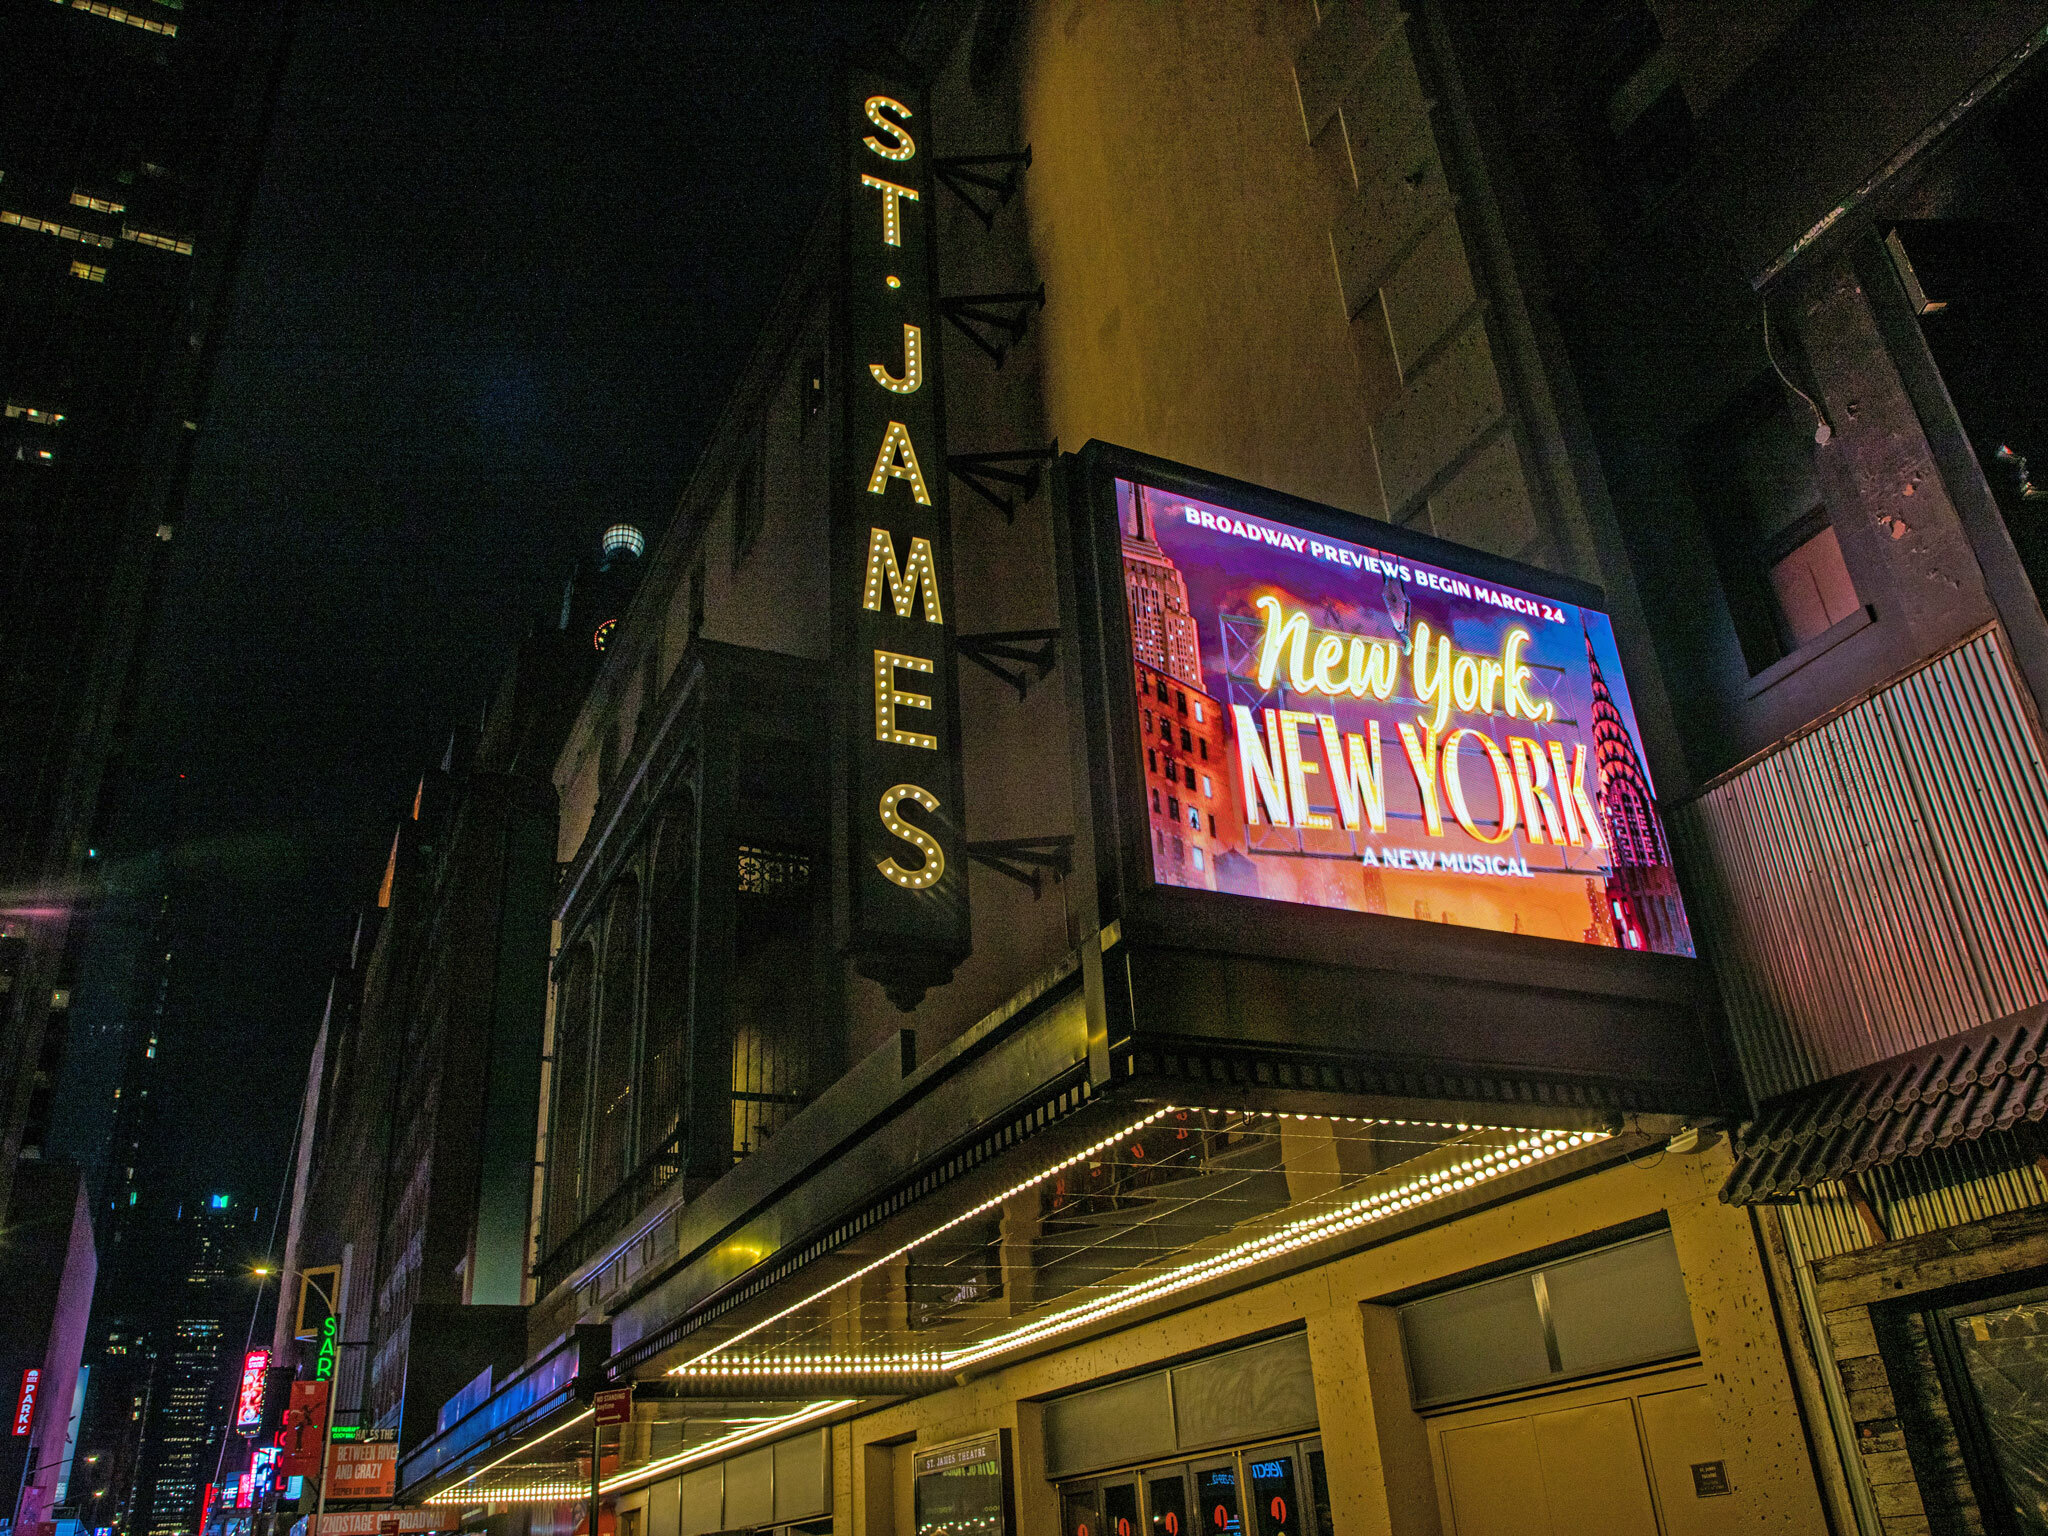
(96, 204)
(161, 242)
(88, 271)
(127, 18)
(40, 417)
(52, 227)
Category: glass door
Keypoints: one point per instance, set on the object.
(1080, 1510)
(1274, 1497)
(1216, 1497)
(1166, 1501)
(1993, 1357)
(1120, 1508)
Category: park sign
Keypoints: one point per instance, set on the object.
(898, 813)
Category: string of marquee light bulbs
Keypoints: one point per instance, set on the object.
(1530, 1148)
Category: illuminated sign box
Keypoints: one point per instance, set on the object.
(1318, 737)
(1325, 721)
(249, 1395)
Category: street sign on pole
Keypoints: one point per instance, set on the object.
(614, 1406)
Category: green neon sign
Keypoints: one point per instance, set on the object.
(330, 1347)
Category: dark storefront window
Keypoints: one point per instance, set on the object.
(1993, 1358)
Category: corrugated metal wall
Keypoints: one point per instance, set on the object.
(1995, 1175)
(1881, 882)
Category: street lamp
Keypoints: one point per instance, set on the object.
(262, 1272)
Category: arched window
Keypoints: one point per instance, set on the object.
(611, 1095)
(671, 964)
(572, 1100)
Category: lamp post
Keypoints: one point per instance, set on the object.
(327, 1421)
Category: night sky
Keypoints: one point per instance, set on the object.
(504, 262)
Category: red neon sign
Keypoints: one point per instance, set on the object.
(249, 1399)
(25, 1405)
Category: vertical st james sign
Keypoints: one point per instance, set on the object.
(903, 893)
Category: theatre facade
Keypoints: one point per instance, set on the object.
(1123, 961)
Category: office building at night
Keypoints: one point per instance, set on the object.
(129, 146)
(1587, 1081)
(197, 1337)
(414, 1168)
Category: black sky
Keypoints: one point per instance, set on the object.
(504, 260)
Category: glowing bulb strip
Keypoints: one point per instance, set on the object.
(867, 1269)
(622, 1482)
(785, 1365)
(1423, 1190)
(518, 1450)
(1534, 1146)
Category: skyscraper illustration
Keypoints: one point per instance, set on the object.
(1164, 635)
(1642, 892)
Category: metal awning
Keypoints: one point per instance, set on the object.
(1989, 1078)
(666, 1437)
(1130, 1206)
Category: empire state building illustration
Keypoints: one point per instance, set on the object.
(1192, 816)
(1642, 892)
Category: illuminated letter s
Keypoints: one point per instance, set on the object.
(934, 856)
(901, 146)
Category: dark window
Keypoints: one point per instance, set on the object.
(1216, 1497)
(776, 1023)
(1152, 759)
(1173, 806)
(814, 389)
(1633, 122)
(1205, 749)
(1187, 740)
(1757, 471)
(572, 1095)
(1160, 687)
(611, 1098)
(671, 949)
(1155, 802)
(1180, 701)
(749, 507)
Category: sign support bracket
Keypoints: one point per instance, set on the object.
(1027, 860)
(984, 473)
(1034, 648)
(963, 175)
(971, 313)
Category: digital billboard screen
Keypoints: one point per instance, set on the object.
(1329, 722)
